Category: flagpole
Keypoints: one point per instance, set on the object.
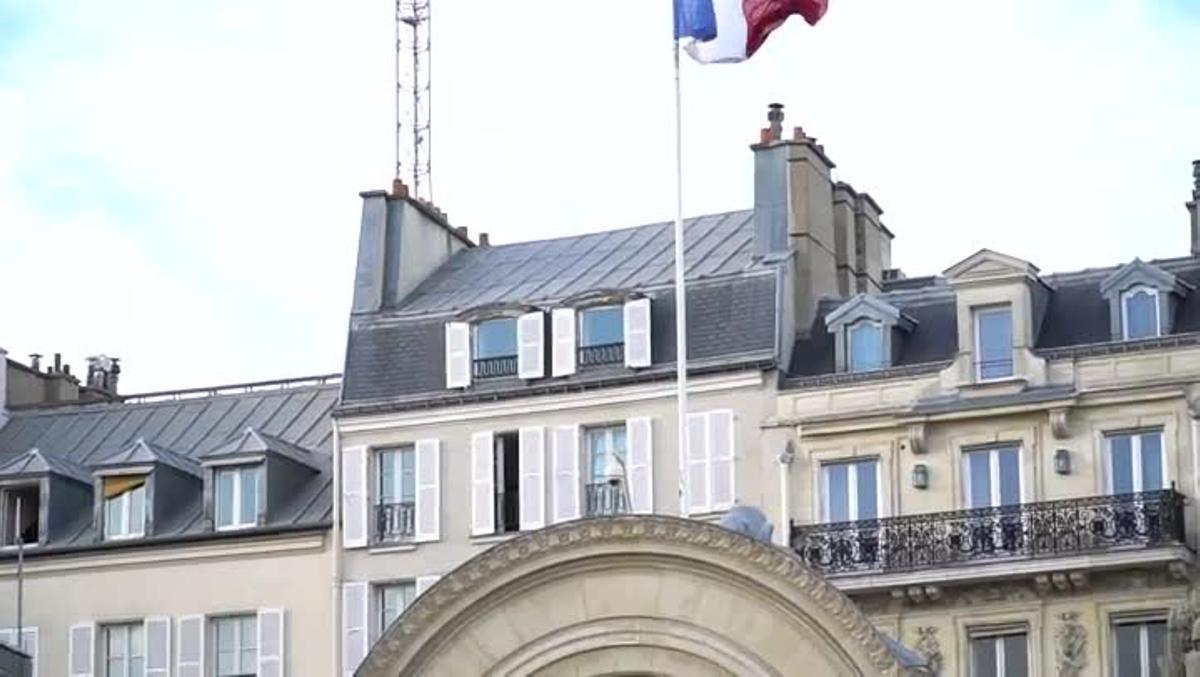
(680, 295)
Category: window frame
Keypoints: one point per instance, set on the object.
(130, 628)
(5, 532)
(583, 323)
(1143, 620)
(995, 498)
(478, 324)
(239, 469)
(214, 648)
(126, 500)
(1124, 298)
(997, 635)
(1135, 451)
(977, 315)
(852, 482)
(399, 450)
(882, 361)
(380, 595)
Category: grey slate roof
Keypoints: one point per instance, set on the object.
(35, 462)
(142, 452)
(254, 443)
(83, 436)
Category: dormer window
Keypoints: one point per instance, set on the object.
(124, 506)
(236, 496)
(993, 343)
(495, 348)
(21, 509)
(865, 347)
(1140, 316)
(601, 335)
(867, 333)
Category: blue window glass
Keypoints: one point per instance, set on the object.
(979, 474)
(496, 338)
(1140, 306)
(994, 339)
(1135, 462)
(1120, 453)
(1010, 476)
(852, 491)
(837, 483)
(866, 346)
(1152, 470)
(993, 477)
(602, 326)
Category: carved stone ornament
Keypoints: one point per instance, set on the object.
(1058, 424)
(1070, 645)
(916, 438)
(1183, 638)
(928, 646)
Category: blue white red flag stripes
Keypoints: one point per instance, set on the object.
(742, 26)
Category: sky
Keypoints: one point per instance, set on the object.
(179, 180)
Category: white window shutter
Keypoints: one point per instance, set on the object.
(564, 454)
(458, 354)
(483, 483)
(562, 325)
(531, 460)
(639, 473)
(81, 650)
(531, 350)
(696, 482)
(721, 455)
(424, 583)
(355, 605)
(158, 646)
(189, 661)
(428, 509)
(29, 644)
(354, 497)
(272, 643)
(637, 333)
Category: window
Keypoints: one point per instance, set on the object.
(393, 599)
(993, 343)
(999, 654)
(123, 652)
(850, 491)
(23, 528)
(495, 348)
(992, 477)
(607, 488)
(124, 506)
(1139, 644)
(1136, 461)
(1140, 313)
(237, 496)
(508, 482)
(602, 335)
(396, 492)
(865, 346)
(235, 646)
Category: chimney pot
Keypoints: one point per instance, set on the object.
(35, 361)
(57, 362)
(484, 241)
(1196, 179)
(775, 117)
(398, 188)
(461, 230)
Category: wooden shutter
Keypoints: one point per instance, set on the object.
(639, 471)
(272, 643)
(565, 490)
(720, 454)
(531, 460)
(428, 509)
(562, 325)
(424, 583)
(158, 646)
(483, 483)
(355, 606)
(354, 497)
(81, 650)
(189, 661)
(637, 333)
(531, 351)
(696, 482)
(458, 354)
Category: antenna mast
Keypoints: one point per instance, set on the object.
(413, 96)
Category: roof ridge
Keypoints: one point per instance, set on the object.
(607, 231)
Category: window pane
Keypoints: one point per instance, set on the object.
(1156, 638)
(1129, 653)
(496, 338)
(134, 633)
(994, 329)
(1152, 471)
(249, 629)
(1120, 452)
(838, 484)
(602, 326)
(248, 510)
(1141, 314)
(226, 634)
(1016, 656)
(225, 512)
(116, 642)
(983, 657)
(866, 347)
(137, 510)
(388, 461)
(114, 516)
(408, 476)
(868, 490)
(1010, 476)
(597, 447)
(979, 479)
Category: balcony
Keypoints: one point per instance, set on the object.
(605, 498)
(1032, 531)
(394, 522)
(492, 367)
(609, 353)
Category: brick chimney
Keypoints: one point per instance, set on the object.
(103, 374)
(1193, 207)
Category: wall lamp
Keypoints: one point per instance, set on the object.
(1062, 461)
(920, 476)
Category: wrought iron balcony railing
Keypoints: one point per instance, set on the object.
(605, 498)
(1027, 531)
(395, 522)
(609, 353)
(489, 367)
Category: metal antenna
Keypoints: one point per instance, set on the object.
(414, 138)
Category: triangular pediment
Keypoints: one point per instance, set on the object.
(1138, 272)
(36, 463)
(251, 443)
(870, 307)
(142, 452)
(986, 264)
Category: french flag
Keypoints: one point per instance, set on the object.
(729, 31)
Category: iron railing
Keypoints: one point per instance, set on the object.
(1026, 531)
(609, 353)
(988, 370)
(489, 367)
(605, 498)
(395, 522)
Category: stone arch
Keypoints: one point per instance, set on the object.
(631, 595)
